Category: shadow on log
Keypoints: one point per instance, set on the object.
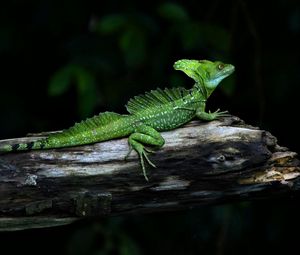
(201, 163)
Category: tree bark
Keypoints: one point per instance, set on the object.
(201, 163)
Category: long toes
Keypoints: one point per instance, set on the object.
(148, 160)
(143, 166)
(224, 114)
(149, 150)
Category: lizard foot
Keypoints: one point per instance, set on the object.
(142, 152)
(148, 136)
(218, 114)
(143, 155)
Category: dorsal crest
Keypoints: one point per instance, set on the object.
(155, 98)
(89, 124)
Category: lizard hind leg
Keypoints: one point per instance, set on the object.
(145, 135)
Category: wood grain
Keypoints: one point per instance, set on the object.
(201, 163)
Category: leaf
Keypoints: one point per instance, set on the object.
(133, 45)
(60, 81)
(111, 23)
(87, 91)
(85, 83)
(173, 12)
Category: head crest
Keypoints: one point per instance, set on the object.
(205, 73)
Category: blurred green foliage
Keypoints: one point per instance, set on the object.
(104, 238)
(173, 12)
(66, 60)
(131, 35)
(84, 83)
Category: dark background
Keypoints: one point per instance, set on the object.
(63, 61)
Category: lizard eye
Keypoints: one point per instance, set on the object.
(220, 66)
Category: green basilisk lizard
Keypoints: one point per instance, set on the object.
(149, 114)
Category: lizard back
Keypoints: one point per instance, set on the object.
(165, 109)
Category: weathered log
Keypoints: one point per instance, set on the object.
(201, 163)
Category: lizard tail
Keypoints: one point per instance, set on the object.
(40, 144)
(92, 130)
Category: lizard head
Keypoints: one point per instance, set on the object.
(205, 73)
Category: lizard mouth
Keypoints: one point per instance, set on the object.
(231, 69)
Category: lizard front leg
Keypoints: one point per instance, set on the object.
(145, 135)
(201, 114)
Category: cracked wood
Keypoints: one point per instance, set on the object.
(201, 163)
